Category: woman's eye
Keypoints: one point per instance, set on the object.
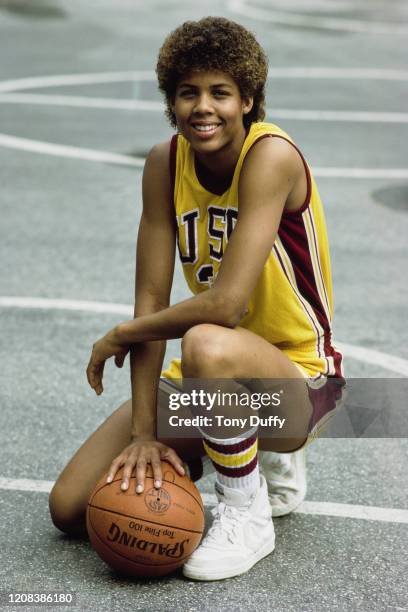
(218, 92)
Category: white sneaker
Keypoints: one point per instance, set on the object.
(242, 533)
(285, 475)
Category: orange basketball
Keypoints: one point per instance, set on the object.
(146, 534)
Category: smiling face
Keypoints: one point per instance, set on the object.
(209, 111)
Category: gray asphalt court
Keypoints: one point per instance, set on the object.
(79, 110)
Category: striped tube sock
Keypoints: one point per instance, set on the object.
(235, 461)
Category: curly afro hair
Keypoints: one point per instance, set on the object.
(214, 43)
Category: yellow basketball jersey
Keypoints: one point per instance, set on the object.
(291, 306)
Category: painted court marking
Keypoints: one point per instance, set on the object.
(290, 72)
(89, 78)
(129, 104)
(94, 155)
(315, 21)
(398, 365)
(368, 513)
(7, 89)
(58, 150)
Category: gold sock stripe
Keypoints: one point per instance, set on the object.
(237, 460)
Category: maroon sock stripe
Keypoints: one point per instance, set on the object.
(237, 472)
(231, 449)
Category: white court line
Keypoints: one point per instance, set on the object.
(315, 21)
(155, 106)
(369, 513)
(84, 102)
(89, 78)
(24, 484)
(335, 115)
(373, 357)
(392, 363)
(277, 72)
(57, 150)
(75, 305)
(321, 72)
(321, 5)
(93, 155)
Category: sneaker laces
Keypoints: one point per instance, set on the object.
(227, 520)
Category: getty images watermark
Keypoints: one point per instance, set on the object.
(329, 407)
(220, 399)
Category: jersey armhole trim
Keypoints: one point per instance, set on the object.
(307, 171)
(172, 166)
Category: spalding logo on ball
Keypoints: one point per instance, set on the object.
(146, 534)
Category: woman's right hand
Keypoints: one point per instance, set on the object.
(140, 452)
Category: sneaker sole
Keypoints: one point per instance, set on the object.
(198, 574)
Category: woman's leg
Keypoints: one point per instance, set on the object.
(69, 496)
(214, 352)
(236, 360)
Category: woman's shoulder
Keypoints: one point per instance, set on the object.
(260, 128)
(268, 141)
(159, 153)
(157, 163)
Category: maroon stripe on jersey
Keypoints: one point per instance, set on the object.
(330, 351)
(292, 233)
(284, 271)
(237, 472)
(231, 449)
(318, 258)
(281, 262)
(172, 165)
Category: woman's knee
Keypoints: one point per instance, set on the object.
(67, 512)
(204, 351)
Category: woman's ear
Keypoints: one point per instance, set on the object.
(247, 104)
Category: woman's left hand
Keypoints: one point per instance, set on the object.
(103, 349)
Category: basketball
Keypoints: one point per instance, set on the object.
(150, 533)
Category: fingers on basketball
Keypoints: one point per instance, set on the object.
(171, 456)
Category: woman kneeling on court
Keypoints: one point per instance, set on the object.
(237, 198)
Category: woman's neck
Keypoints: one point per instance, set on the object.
(221, 164)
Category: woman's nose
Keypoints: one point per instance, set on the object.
(203, 104)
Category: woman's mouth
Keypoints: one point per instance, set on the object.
(205, 130)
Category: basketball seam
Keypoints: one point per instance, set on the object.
(113, 511)
(151, 478)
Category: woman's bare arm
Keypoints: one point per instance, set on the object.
(154, 275)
